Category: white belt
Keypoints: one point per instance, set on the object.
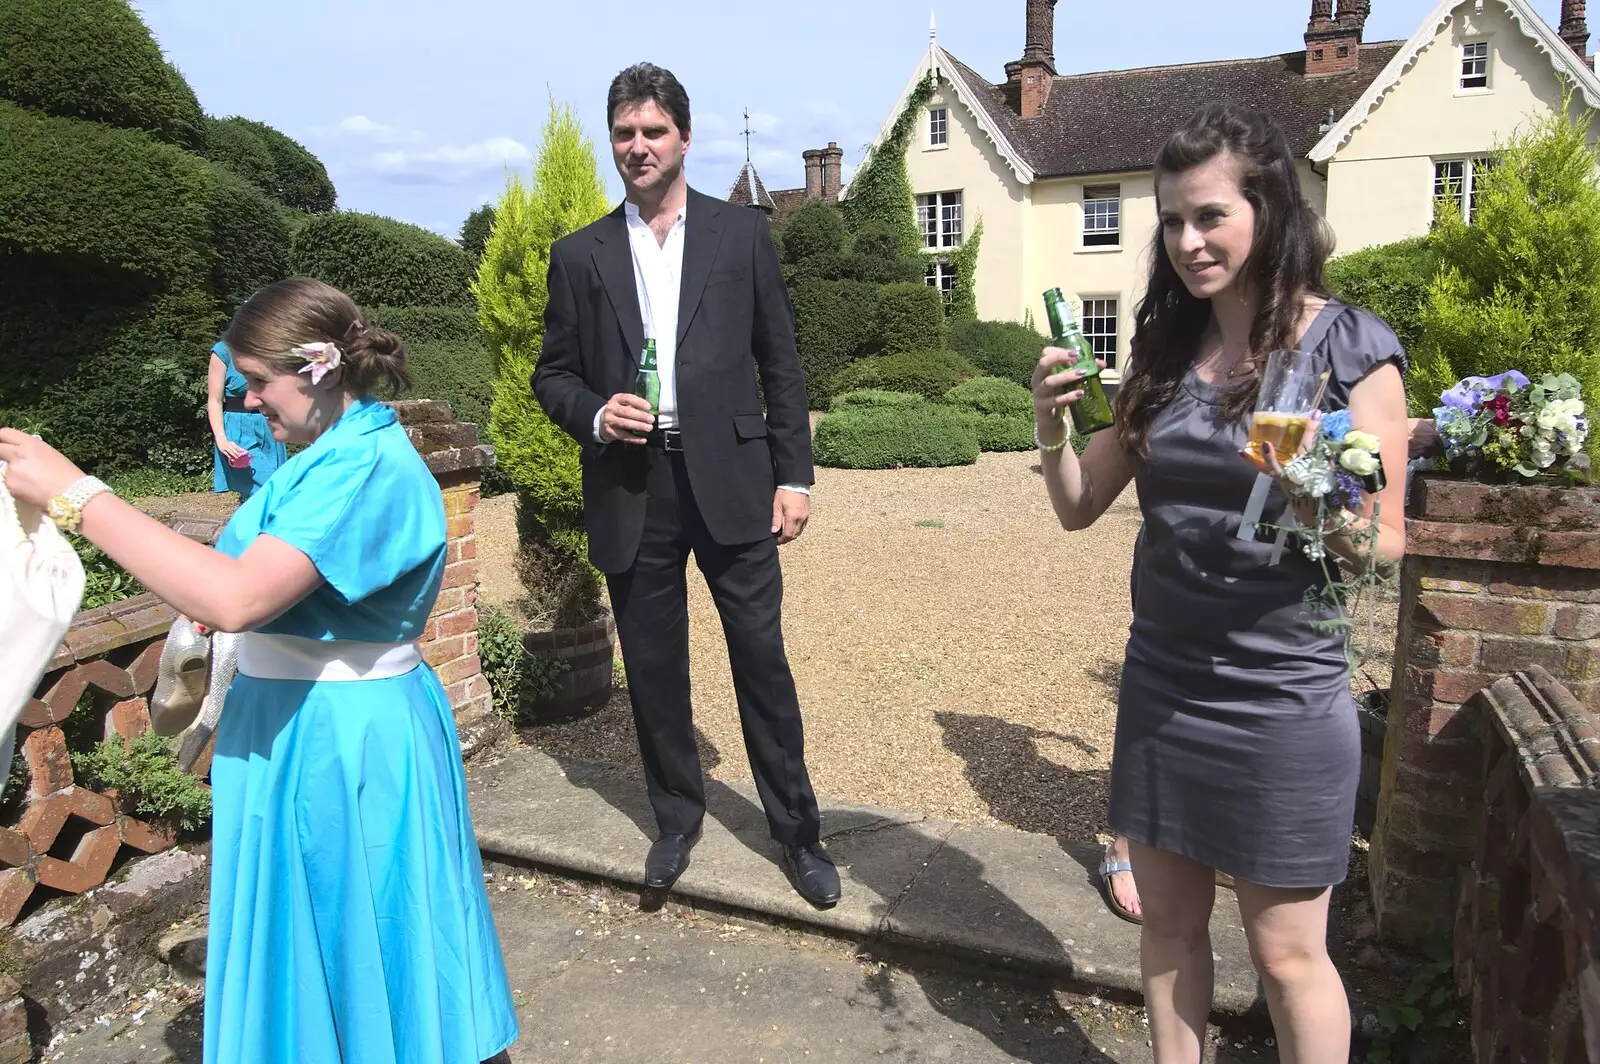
(292, 657)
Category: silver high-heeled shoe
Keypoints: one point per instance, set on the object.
(224, 663)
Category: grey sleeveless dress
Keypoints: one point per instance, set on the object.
(1237, 743)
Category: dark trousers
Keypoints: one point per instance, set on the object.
(650, 603)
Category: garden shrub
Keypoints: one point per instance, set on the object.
(911, 317)
(475, 231)
(427, 325)
(875, 399)
(1391, 280)
(815, 228)
(889, 438)
(91, 194)
(249, 238)
(381, 261)
(93, 59)
(460, 373)
(1002, 349)
(835, 322)
(927, 373)
(145, 773)
(232, 143)
(300, 181)
(1004, 412)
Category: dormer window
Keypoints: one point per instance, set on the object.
(1475, 65)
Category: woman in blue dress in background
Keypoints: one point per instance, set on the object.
(349, 920)
(244, 454)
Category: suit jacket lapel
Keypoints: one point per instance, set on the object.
(613, 260)
(702, 235)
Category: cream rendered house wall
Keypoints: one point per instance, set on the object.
(1380, 183)
(989, 189)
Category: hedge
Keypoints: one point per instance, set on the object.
(886, 438)
(112, 375)
(815, 228)
(461, 373)
(475, 231)
(94, 59)
(1391, 280)
(299, 179)
(232, 143)
(927, 373)
(92, 193)
(249, 237)
(1002, 349)
(835, 322)
(876, 399)
(381, 261)
(912, 317)
(427, 325)
(991, 395)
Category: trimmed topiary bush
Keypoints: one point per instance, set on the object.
(1003, 412)
(912, 317)
(926, 373)
(87, 192)
(427, 325)
(835, 322)
(232, 143)
(887, 438)
(475, 231)
(249, 236)
(462, 374)
(94, 59)
(382, 261)
(873, 399)
(1002, 349)
(815, 228)
(300, 181)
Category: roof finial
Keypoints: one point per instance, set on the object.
(933, 28)
(747, 135)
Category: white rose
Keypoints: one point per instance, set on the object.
(1547, 417)
(1365, 441)
(1566, 423)
(1358, 460)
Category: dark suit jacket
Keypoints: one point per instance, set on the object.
(733, 319)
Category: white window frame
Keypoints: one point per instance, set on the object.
(1476, 67)
(1095, 312)
(938, 127)
(940, 220)
(1465, 194)
(1102, 227)
(941, 274)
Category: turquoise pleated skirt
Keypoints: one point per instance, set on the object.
(250, 431)
(349, 920)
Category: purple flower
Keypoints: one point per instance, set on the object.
(1470, 392)
(1347, 489)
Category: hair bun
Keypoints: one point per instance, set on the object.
(375, 356)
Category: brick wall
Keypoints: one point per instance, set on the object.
(1524, 923)
(1496, 578)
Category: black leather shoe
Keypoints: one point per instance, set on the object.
(669, 856)
(812, 873)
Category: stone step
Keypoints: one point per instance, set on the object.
(971, 892)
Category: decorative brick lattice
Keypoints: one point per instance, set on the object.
(1524, 923)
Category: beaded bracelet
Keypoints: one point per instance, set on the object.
(1050, 448)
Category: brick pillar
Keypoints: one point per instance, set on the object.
(450, 640)
(1496, 578)
(813, 161)
(832, 170)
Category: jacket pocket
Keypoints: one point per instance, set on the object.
(750, 426)
(724, 277)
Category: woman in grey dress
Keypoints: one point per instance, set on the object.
(1237, 747)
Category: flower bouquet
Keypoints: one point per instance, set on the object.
(1331, 477)
(1494, 427)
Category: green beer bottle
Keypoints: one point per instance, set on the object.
(647, 385)
(1093, 412)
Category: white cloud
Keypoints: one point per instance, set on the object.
(450, 164)
(364, 127)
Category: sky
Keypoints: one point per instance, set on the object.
(419, 107)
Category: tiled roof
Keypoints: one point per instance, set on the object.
(748, 191)
(1117, 120)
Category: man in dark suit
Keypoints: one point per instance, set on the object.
(659, 315)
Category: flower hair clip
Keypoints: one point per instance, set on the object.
(320, 357)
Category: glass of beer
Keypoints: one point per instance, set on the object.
(1291, 387)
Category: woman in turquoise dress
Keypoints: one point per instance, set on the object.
(349, 919)
(239, 435)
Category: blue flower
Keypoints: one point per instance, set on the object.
(1347, 489)
(1336, 425)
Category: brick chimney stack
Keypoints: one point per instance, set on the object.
(832, 170)
(1033, 74)
(1333, 42)
(1575, 27)
(813, 158)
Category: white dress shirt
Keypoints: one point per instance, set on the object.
(658, 277)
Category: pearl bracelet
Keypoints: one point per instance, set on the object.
(1050, 448)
